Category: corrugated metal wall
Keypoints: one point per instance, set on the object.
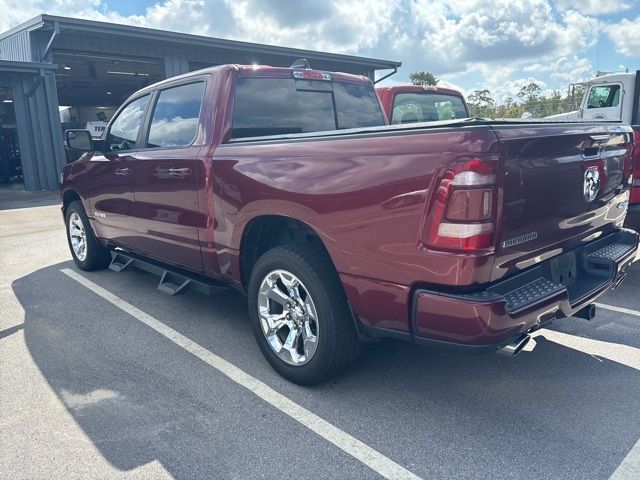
(16, 48)
(38, 126)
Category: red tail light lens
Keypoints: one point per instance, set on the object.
(463, 212)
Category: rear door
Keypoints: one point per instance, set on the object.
(110, 175)
(562, 184)
(166, 210)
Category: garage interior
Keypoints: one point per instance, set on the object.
(10, 166)
(91, 87)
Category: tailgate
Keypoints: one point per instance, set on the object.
(562, 184)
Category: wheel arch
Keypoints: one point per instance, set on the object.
(264, 232)
(70, 195)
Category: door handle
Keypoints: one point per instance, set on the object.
(123, 172)
(180, 172)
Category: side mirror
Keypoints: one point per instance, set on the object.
(79, 140)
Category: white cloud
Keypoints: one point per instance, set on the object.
(626, 37)
(594, 7)
(573, 69)
(497, 44)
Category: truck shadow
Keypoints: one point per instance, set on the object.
(555, 411)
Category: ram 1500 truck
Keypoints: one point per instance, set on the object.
(414, 103)
(286, 184)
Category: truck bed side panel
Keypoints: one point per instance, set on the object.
(364, 195)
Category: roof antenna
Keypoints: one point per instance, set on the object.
(301, 63)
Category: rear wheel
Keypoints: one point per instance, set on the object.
(86, 250)
(300, 316)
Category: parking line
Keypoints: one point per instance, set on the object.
(351, 445)
(628, 311)
(629, 469)
(616, 352)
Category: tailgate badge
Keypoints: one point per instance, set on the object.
(591, 183)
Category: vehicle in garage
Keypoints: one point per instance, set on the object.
(414, 103)
(286, 184)
(614, 96)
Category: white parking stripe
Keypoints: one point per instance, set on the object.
(629, 469)
(351, 445)
(628, 311)
(616, 352)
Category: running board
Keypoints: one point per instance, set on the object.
(172, 281)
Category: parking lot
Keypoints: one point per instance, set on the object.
(103, 376)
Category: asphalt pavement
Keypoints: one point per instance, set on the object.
(88, 390)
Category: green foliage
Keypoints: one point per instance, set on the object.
(423, 78)
(529, 99)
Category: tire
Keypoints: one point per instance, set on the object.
(319, 295)
(94, 256)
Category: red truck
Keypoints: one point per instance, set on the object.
(414, 103)
(287, 184)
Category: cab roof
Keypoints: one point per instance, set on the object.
(287, 72)
(420, 89)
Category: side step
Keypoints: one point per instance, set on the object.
(119, 262)
(173, 281)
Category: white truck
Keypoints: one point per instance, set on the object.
(614, 96)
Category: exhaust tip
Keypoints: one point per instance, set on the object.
(515, 347)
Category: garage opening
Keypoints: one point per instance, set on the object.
(10, 164)
(92, 87)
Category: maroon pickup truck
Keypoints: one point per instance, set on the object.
(286, 184)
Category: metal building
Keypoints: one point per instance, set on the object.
(58, 73)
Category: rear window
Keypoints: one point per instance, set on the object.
(275, 106)
(426, 107)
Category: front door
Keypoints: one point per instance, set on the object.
(603, 102)
(110, 176)
(167, 179)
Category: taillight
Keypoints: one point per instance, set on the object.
(635, 185)
(463, 214)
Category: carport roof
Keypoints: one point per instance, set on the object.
(44, 22)
(25, 67)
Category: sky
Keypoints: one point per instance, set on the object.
(469, 44)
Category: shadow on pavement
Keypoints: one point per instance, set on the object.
(551, 413)
(14, 196)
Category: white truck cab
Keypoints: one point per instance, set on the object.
(609, 97)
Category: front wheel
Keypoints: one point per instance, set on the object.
(87, 251)
(300, 316)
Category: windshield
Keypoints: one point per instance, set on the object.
(275, 106)
(426, 107)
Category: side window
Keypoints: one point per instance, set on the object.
(604, 96)
(176, 115)
(124, 129)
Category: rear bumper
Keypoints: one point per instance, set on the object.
(490, 318)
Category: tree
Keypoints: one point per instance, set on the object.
(481, 103)
(423, 78)
(530, 92)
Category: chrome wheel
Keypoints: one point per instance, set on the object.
(288, 317)
(77, 236)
